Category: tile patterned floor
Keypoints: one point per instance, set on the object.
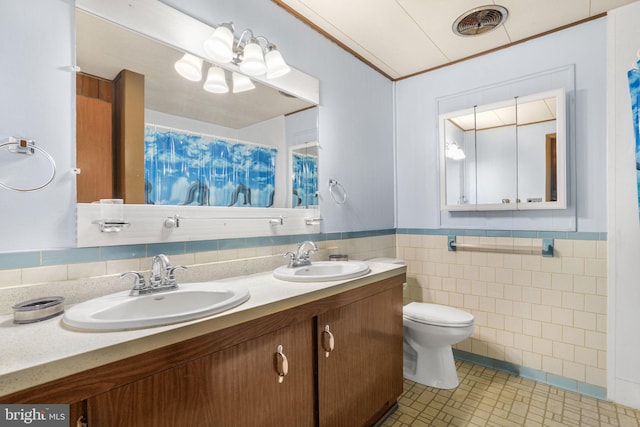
(486, 397)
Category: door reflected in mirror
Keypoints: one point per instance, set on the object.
(505, 156)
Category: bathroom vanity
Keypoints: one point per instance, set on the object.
(327, 355)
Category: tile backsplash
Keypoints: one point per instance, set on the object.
(80, 274)
(546, 314)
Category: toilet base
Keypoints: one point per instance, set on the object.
(433, 367)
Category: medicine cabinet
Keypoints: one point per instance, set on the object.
(508, 155)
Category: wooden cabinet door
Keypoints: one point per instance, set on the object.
(238, 386)
(361, 378)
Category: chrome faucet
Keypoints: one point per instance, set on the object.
(162, 277)
(159, 265)
(301, 257)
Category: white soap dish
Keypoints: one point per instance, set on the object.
(36, 310)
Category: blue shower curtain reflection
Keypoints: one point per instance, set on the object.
(634, 90)
(305, 180)
(181, 168)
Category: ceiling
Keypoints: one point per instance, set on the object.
(400, 38)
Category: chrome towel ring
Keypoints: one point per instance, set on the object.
(336, 187)
(27, 147)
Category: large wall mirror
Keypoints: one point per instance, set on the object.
(179, 150)
(200, 148)
(507, 155)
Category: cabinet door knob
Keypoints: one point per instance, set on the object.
(282, 364)
(328, 342)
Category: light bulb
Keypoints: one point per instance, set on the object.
(276, 67)
(253, 59)
(189, 67)
(216, 81)
(219, 46)
(241, 83)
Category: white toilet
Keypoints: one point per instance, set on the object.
(429, 332)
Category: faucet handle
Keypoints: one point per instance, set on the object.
(291, 256)
(139, 283)
(171, 277)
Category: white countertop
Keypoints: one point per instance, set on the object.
(36, 353)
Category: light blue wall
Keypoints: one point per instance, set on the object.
(38, 87)
(355, 117)
(417, 151)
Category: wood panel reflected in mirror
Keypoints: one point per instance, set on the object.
(94, 129)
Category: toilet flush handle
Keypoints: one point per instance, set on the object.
(328, 342)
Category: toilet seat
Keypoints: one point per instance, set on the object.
(437, 315)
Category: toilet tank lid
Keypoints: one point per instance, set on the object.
(436, 314)
(388, 260)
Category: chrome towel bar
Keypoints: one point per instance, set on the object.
(546, 249)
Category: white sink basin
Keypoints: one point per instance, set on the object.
(122, 311)
(322, 271)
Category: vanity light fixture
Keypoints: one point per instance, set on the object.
(216, 81)
(241, 83)
(247, 52)
(219, 46)
(189, 67)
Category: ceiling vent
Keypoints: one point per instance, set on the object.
(480, 20)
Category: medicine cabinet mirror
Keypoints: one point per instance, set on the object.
(146, 38)
(508, 155)
(304, 162)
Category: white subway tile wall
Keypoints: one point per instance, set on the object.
(548, 314)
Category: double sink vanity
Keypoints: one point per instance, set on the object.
(305, 345)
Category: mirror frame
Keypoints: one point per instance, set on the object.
(561, 157)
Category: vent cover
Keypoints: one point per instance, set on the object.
(480, 20)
